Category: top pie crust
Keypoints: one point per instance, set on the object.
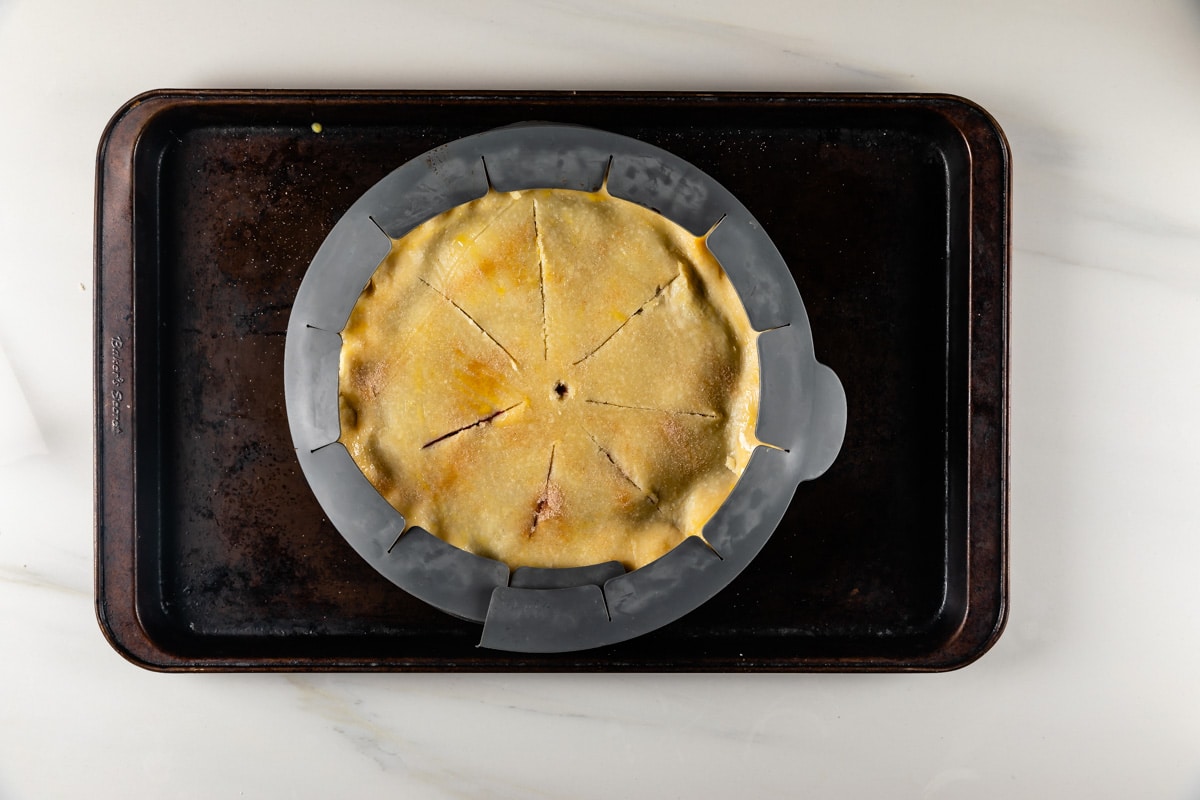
(551, 378)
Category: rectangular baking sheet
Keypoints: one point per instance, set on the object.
(892, 212)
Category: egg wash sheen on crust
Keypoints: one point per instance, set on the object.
(551, 378)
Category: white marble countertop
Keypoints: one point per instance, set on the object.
(1091, 692)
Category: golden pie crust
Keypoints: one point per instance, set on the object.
(551, 378)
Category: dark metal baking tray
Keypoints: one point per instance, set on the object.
(892, 212)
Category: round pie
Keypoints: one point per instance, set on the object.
(551, 378)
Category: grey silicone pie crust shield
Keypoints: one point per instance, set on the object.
(802, 405)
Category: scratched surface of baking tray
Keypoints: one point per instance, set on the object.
(892, 212)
